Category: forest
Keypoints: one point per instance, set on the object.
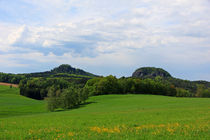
(65, 87)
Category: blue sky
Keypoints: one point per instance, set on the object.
(107, 36)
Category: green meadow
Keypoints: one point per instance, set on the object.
(12, 104)
(105, 117)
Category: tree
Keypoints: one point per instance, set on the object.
(183, 93)
(91, 86)
(54, 98)
(202, 91)
(107, 85)
(70, 98)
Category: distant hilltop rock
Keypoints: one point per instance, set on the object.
(65, 68)
(150, 72)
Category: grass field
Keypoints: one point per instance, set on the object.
(106, 117)
(12, 104)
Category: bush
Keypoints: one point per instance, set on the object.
(183, 93)
(68, 98)
(202, 91)
(206, 93)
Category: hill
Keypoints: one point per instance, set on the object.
(12, 104)
(150, 72)
(63, 71)
(164, 76)
(106, 117)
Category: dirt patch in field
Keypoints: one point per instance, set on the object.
(8, 84)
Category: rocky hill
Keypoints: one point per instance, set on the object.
(63, 70)
(150, 72)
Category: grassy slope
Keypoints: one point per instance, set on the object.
(115, 117)
(12, 104)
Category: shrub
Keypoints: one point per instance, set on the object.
(206, 93)
(68, 98)
(183, 93)
(202, 91)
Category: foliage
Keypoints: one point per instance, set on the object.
(202, 91)
(54, 98)
(112, 85)
(37, 88)
(183, 93)
(160, 83)
(165, 77)
(11, 78)
(107, 85)
(185, 84)
(68, 98)
(91, 86)
(63, 70)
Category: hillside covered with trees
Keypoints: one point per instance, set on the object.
(165, 77)
(63, 71)
(67, 87)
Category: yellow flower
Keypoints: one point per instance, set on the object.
(138, 128)
(97, 129)
(70, 134)
(105, 129)
(161, 125)
(170, 130)
(187, 126)
(116, 129)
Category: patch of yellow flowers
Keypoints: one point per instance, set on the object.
(170, 128)
(103, 129)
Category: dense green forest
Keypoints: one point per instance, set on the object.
(63, 71)
(11, 78)
(66, 87)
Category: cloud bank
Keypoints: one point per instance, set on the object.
(106, 37)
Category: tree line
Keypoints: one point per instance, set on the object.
(60, 93)
(112, 85)
(11, 78)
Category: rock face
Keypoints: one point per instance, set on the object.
(150, 72)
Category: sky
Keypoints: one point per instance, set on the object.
(106, 37)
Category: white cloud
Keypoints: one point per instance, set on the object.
(112, 33)
(14, 36)
(48, 43)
